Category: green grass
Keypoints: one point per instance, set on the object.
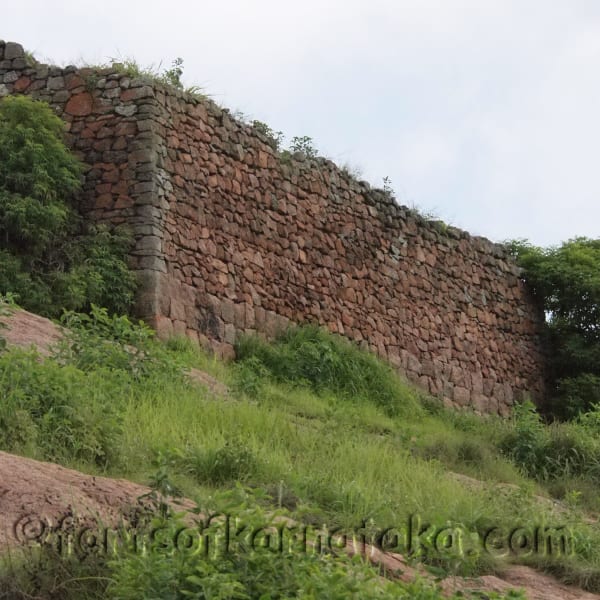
(309, 357)
(314, 426)
(153, 74)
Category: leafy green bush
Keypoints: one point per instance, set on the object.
(274, 137)
(99, 340)
(99, 273)
(590, 420)
(525, 443)
(250, 376)
(309, 356)
(48, 258)
(546, 453)
(38, 175)
(575, 395)
(305, 145)
(57, 413)
(566, 281)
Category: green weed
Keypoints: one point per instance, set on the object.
(309, 356)
(305, 428)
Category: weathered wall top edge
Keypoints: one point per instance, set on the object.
(385, 204)
(388, 209)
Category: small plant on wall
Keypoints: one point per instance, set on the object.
(275, 137)
(171, 77)
(303, 144)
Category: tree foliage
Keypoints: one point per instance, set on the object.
(38, 176)
(566, 280)
(48, 258)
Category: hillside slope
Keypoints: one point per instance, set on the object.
(321, 456)
(34, 496)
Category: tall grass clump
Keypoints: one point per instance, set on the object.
(58, 413)
(556, 451)
(311, 357)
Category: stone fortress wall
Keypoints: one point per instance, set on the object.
(231, 237)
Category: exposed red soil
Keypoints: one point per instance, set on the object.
(537, 586)
(35, 496)
(25, 329)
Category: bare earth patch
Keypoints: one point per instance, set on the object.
(213, 385)
(25, 329)
(35, 494)
(537, 586)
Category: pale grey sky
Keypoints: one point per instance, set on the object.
(484, 112)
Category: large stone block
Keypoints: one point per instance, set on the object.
(13, 51)
(80, 105)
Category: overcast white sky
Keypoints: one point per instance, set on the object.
(484, 112)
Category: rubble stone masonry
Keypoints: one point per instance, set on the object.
(232, 237)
